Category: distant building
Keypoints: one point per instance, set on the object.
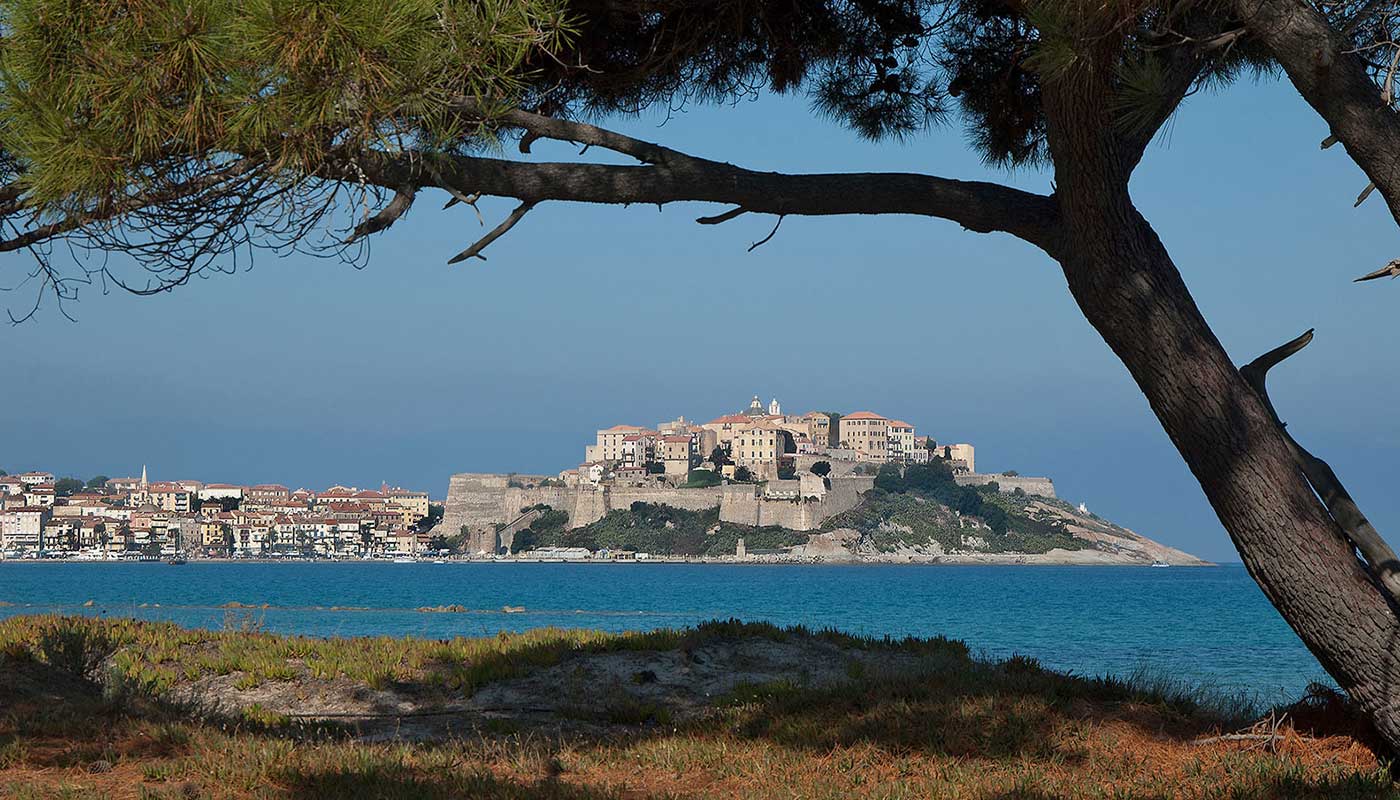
(35, 478)
(267, 494)
(867, 433)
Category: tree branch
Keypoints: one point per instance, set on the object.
(538, 126)
(494, 234)
(1380, 559)
(388, 215)
(977, 206)
(1335, 83)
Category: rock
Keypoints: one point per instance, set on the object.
(513, 609)
(89, 604)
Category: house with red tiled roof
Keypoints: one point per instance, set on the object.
(867, 433)
(609, 444)
(266, 494)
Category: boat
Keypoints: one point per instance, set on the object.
(1160, 564)
(403, 560)
(439, 561)
(176, 561)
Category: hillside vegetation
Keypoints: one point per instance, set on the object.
(653, 528)
(923, 508)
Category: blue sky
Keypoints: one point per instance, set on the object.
(308, 372)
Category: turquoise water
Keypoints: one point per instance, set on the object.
(1207, 625)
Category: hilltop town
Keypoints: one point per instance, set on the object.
(760, 444)
(117, 518)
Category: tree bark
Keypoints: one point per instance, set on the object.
(1124, 281)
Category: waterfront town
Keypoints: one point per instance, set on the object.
(136, 518)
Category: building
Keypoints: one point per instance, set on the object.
(267, 494)
(35, 478)
(901, 441)
(677, 454)
(220, 491)
(960, 457)
(22, 528)
(171, 497)
(819, 429)
(758, 447)
(124, 484)
(867, 433)
(42, 494)
(415, 503)
(610, 443)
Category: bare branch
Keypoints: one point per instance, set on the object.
(1365, 193)
(388, 215)
(1390, 270)
(725, 217)
(1380, 559)
(494, 234)
(770, 235)
(538, 126)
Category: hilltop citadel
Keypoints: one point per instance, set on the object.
(759, 466)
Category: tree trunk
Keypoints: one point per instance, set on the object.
(1124, 281)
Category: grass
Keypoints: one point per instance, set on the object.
(918, 718)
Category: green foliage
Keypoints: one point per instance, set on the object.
(916, 505)
(890, 478)
(548, 528)
(63, 487)
(743, 475)
(821, 468)
(95, 482)
(99, 97)
(654, 528)
(431, 519)
(700, 479)
(719, 457)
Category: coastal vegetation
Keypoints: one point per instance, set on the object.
(95, 708)
(654, 528)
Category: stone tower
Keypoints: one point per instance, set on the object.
(775, 410)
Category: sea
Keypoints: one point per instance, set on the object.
(1203, 626)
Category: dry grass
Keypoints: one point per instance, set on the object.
(965, 729)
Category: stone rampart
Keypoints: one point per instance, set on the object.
(481, 502)
(1043, 487)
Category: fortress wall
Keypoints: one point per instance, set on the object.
(483, 501)
(688, 499)
(475, 500)
(1010, 483)
(845, 493)
(743, 505)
